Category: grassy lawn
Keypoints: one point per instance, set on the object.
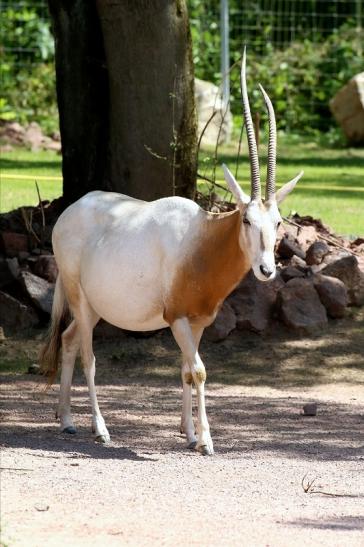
(332, 187)
(18, 171)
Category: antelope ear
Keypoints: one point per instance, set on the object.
(287, 188)
(240, 196)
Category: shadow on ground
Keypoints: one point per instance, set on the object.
(255, 392)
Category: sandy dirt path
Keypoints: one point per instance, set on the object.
(146, 488)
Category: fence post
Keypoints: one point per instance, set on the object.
(225, 65)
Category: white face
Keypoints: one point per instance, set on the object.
(260, 222)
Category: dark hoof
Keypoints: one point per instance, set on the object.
(205, 451)
(70, 429)
(192, 445)
(103, 439)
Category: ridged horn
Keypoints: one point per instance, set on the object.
(270, 187)
(252, 145)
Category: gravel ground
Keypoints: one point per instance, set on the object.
(146, 488)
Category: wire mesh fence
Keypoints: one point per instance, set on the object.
(302, 51)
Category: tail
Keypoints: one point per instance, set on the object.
(50, 352)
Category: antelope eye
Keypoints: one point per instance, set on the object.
(278, 224)
(246, 221)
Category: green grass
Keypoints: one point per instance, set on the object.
(18, 171)
(332, 187)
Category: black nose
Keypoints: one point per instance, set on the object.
(265, 271)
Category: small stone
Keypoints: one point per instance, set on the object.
(310, 409)
(316, 253)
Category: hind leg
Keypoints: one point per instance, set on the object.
(187, 425)
(70, 346)
(86, 319)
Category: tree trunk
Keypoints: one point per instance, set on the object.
(125, 91)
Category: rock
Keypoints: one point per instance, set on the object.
(39, 290)
(316, 253)
(290, 272)
(6, 276)
(310, 409)
(253, 302)
(288, 247)
(347, 270)
(208, 100)
(13, 243)
(34, 369)
(33, 136)
(224, 323)
(299, 263)
(14, 314)
(348, 108)
(14, 267)
(306, 236)
(332, 293)
(46, 267)
(300, 308)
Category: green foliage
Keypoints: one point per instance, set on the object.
(26, 64)
(300, 76)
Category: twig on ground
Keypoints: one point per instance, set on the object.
(28, 223)
(309, 489)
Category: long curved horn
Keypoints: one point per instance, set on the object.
(252, 145)
(270, 187)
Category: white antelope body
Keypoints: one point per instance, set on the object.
(168, 263)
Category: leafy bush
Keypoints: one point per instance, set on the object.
(27, 72)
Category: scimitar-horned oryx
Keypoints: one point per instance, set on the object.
(168, 263)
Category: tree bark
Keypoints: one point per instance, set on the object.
(125, 88)
(82, 94)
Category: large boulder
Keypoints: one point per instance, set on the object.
(347, 270)
(332, 293)
(224, 323)
(15, 315)
(348, 108)
(253, 302)
(208, 101)
(12, 243)
(39, 290)
(300, 308)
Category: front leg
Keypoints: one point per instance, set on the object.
(194, 370)
(187, 425)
